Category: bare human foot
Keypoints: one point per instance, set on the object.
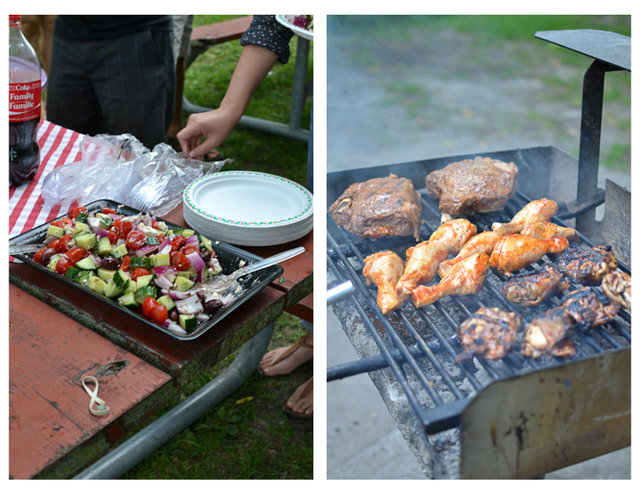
(300, 404)
(286, 359)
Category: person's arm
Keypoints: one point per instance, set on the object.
(204, 131)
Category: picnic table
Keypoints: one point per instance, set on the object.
(57, 335)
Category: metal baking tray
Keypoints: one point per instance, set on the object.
(230, 259)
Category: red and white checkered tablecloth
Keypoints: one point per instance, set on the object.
(26, 207)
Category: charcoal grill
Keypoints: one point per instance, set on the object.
(516, 417)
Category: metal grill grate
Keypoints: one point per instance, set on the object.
(419, 345)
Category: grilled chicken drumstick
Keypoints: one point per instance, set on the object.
(421, 266)
(489, 333)
(482, 242)
(589, 266)
(464, 278)
(454, 234)
(617, 286)
(546, 229)
(514, 252)
(538, 210)
(531, 289)
(384, 270)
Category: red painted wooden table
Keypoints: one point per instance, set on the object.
(57, 335)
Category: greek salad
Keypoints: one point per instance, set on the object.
(139, 262)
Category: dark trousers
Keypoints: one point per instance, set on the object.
(117, 86)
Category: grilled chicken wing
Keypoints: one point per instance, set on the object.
(421, 266)
(547, 334)
(617, 286)
(454, 234)
(588, 307)
(538, 210)
(482, 242)
(531, 289)
(384, 270)
(514, 252)
(489, 333)
(589, 266)
(546, 229)
(465, 278)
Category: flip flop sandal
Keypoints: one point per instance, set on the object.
(286, 353)
(295, 415)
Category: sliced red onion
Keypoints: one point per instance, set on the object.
(164, 247)
(163, 282)
(201, 317)
(174, 328)
(162, 270)
(93, 221)
(193, 239)
(145, 250)
(175, 295)
(189, 305)
(196, 261)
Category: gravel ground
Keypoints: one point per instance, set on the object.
(399, 91)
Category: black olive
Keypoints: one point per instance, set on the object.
(206, 255)
(109, 263)
(173, 314)
(212, 306)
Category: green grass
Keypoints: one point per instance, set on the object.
(246, 436)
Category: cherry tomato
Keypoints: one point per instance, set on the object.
(148, 305)
(62, 222)
(77, 253)
(126, 262)
(188, 249)
(137, 272)
(121, 228)
(177, 242)
(113, 237)
(135, 239)
(158, 314)
(62, 244)
(37, 257)
(161, 237)
(74, 212)
(107, 210)
(63, 264)
(180, 261)
(155, 224)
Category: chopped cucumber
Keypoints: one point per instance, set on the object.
(95, 284)
(128, 300)
(119, 251)
(106, 274)
(182, 284)
(141, 262)
(88, 263)
(104, 247)
(144, 280)
(144, 292)
(205, 242)
(111, 290)
(161, 260)
(73, 273)
(86, 240)
(53, 261)
(188, 322)
(121, 279)
(81, 228)
(167, 301)
(55, 231)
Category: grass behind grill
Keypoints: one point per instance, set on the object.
(246, 436)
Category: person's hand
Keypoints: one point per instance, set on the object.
(205, 131)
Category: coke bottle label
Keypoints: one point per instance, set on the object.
(24, 101)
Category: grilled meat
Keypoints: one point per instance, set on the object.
(514, 252)
(588, 266)
(379, 207)
(588, 307)
(482, 242)
(546, 229)
(464, 278)
(547, 334)
(454, 234)
(617, 286)
(531, 289)
(471, 186)
(538, 210)
(489, 333)
(384, 270)
(421, 266)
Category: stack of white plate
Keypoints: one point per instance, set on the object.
(248, 208)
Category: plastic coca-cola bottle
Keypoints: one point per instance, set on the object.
(24, 106)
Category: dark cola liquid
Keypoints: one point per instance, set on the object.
(24, 153)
